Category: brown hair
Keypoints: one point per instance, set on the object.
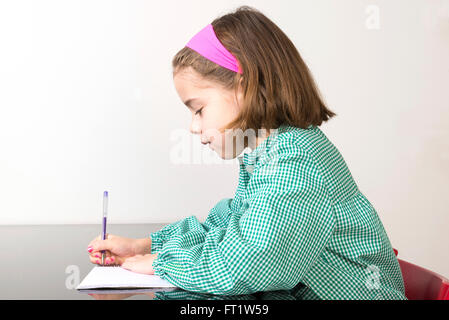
(277, 85)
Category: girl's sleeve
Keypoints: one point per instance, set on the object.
(218, 217)
(268, 244)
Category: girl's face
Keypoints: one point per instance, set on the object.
(212, 108)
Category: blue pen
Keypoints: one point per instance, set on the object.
(105, 215)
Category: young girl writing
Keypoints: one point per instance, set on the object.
(298, 221)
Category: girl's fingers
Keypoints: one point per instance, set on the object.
(117, 260)
(93, 241)
(97, 254)
(99, 245)
(113, 260)
(95, 260)
(96, 257)
(109, 259)
(96, 240)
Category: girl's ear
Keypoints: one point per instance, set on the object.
(240, 82)
(239, 93)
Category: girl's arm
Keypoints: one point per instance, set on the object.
(269, 244)
(218, 217)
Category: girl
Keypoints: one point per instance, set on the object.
(298, 221)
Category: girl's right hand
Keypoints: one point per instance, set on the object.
(117, 248)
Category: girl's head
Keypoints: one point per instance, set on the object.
(275, 86)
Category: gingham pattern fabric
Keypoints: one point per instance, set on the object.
(180, 294)
(297, 222)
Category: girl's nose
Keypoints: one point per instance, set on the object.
(195, 127)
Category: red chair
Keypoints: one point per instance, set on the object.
(423, 284)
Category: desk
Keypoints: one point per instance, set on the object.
(48, 261)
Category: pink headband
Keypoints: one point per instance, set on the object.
(207, 44)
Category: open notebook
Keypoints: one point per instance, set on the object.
(115, 277)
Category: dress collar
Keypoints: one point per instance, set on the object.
(250, 158)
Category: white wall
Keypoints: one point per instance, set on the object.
(87, 104)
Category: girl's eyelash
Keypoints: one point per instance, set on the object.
(199, 111)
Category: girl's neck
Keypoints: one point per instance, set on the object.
(257, 141)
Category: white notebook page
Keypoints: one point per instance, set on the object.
(117, 277)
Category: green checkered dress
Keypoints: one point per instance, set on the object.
(297, 222)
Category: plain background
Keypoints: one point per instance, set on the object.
(87, 104)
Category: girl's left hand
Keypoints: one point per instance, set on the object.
(140, 263)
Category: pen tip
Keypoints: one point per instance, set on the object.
(105, 194)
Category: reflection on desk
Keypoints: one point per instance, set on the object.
(179, 294)
(49, 261)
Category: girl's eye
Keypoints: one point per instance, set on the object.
(199, 111)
